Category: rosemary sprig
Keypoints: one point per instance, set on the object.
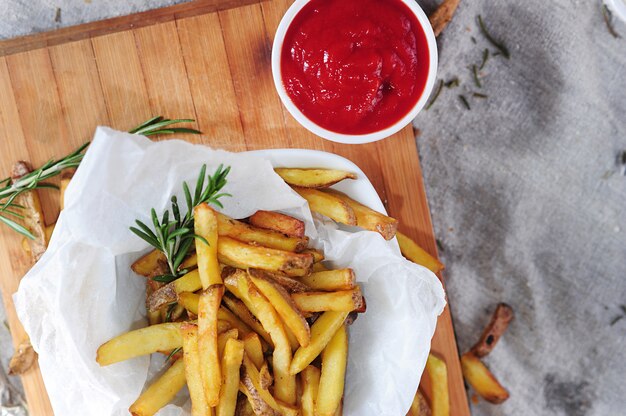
(11, 189)
(498, 44)
(608, 20)
(437, 92)
(485, 59)
(465, 102)
(174, 236)
(476, 77)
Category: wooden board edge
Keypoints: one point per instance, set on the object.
(116, 24)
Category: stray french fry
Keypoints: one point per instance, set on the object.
(290, 284)
(418, 255)
(144, 341)
(285, 387)
(321, 333)
(500, 320)
(161, 392)
(151, 264)
(328, 205)
(332, 378)
(310, 377)
(481, 379)
(253, 348)
(199, 405)
(313, 178)
(440, 18)
(438, 375)
(190, 282)
(207, 342)
(330, 280)
(419, 407)
(231, 362)
(23, 358)
(278, 222)
(368, 218)
(342, 300)
(249, 234)
(286, 308)
(239, 309)
(205, 226)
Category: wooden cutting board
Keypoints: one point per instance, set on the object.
(208, 60)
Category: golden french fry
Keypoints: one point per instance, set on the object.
(286, 308)
(244, 408)
(442, 15)
(368, 218)
(206, 226)
(418, 255)
(223, 338)
(199, 405)
(243, 256)
(342, 300)
(241, 311)
(144, 341)
(151, 264)
(23, 358)
(330, 280)
(321, 333)
(328, 205)
(253, 348)
(190, 282)
(438, 375)
(161, 392)
(288, 409)
(240, 285)
(419, 407)
(313, 178)
(310, 377)
(332, 378)
(207, 342)
(319, 267)
(251, 379)
(317, 254)
(290, 284)
(481, 379)
(231, 362)
(258, 405)
(66, 177)
(267, 238)
(278, 222)
(191, 262)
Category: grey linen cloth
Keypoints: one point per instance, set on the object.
(527, 191)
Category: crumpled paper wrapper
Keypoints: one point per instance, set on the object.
(82, 292)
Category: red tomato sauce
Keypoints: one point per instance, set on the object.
(355, 66)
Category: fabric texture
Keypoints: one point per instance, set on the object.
(527, 190)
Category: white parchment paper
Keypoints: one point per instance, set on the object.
(82, 293)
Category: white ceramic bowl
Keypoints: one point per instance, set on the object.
(352, 138)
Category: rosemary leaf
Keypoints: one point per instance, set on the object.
(479, 95)
(173, 353)
(165, 278)
(17, 227)
(498, 44)
(454, 82)
(465, 102)
(437, 92)
(485, 59)
(476, 78)
(608, 20)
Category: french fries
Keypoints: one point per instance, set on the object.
(288, 283)
(199, 405)
(231, 362)
(342, 300)
(419, 407)
(438, 375)
(205, 226)
(313, 178)
(239, 309)
(328, 205)
(151, 264)
(31, 212)
(418, 255)
(207, 342)
(275, 221)
(161, 392)
(330, 280)
(334, 361)
(500, 320)
(481, 379)
(66, 177)
(253, 349)
(310, 377)
(190, 282)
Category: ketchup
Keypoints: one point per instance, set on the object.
(355, 66)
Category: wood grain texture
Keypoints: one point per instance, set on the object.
(182, 62)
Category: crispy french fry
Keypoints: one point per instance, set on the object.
(244, 408)
(330, 280)
(317, 254)
(151, 264)
(144, 341)
(500, 320)
(249, 234)
(339, 411)
(161, 392)
(240, 285)
(251, 379)
(199, 405)
(332, 378)
(328, 205)
(66, 177)
(23, 358)
(190, 282)
(310, 377)
(278, 222)
(191, 262)
(319, 267)
(223, 338)
(286, 308)
(481, 379)
(288, 409)
(241, 311)
(206, 226)
(418, 255)
(419, 407)
(31, 212)
(231, 362)
(438, 375)
(290, 284)
(243, 256)
(207, 342)
(342, 300)
(253, 348)
(259, 406)
(313, 178)
(368, 218)
(321, 333)
(440, 18)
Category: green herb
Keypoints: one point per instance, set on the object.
(608, 20)
(476, 78)
(479, 95)
(498, 44)
(437, 92)
(465, 102)
(170, 309)
(485, 59)
(174, 236)
(440, 245)
(473, 40)
(11, 189)
(454, 82)
(616, 319)
(173, 353)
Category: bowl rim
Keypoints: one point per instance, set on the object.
(307, 123)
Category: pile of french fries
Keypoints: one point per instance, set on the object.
(258, 324)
